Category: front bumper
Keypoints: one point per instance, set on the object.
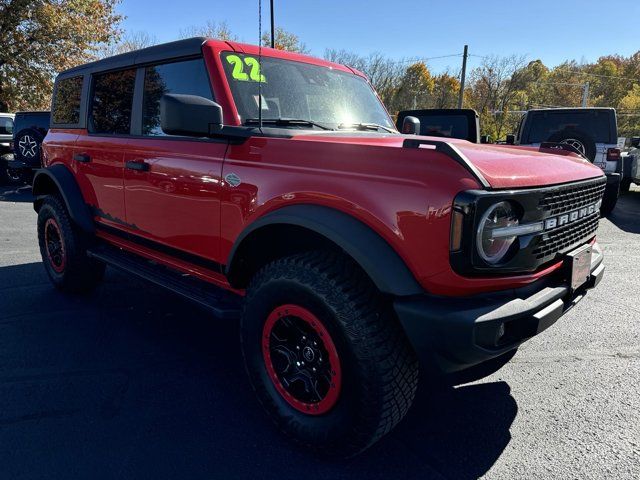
(451, 334)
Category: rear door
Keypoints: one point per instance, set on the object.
(445, 122)
(172, 183)
(98, 156)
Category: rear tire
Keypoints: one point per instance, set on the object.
(625, 186)
(63, 250)
(9, 176)
(375, 371)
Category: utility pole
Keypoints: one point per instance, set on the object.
(585, 94)
(463, 75)
(273, 28)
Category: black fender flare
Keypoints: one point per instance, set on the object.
(375, 256)
(65, 184)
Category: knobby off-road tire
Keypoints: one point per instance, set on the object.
(63, 249)
(375, 370)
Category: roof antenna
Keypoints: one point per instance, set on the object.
(260, 65)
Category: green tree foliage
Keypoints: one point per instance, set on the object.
(285, 41)
(39, 38)
(415, 87)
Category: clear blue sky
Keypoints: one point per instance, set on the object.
(550, 30)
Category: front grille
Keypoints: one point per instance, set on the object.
(567, 199)
(566, 237)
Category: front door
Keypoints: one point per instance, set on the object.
(172, 184)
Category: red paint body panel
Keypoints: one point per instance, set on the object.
(403, 194)
(177, 201)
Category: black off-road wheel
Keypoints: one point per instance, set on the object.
(63, 249)
(325, 353)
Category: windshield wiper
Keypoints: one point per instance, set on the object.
(365, 126)
(286, 122)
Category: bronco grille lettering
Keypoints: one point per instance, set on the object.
(570, 217)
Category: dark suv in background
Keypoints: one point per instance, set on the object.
(29, 130)
(593, 132)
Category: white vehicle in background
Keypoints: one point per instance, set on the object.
(631, 166)
(592, 132)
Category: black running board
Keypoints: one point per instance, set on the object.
(220, 302)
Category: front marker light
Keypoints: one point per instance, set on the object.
(456, 231)
(498, 219)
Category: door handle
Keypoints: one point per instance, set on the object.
(137, 165)
(82, 157)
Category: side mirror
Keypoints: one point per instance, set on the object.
(511, 139)
(189, 115)
(411, 126)
(635, 142)
(485, 138)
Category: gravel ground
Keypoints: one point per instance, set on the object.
(132, 382)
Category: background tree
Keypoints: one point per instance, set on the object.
(285, 41)
(415, 88)
(211, 29)
(39, 38)
(129, 42)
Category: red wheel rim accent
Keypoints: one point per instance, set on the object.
(54, 245)
(331, 365)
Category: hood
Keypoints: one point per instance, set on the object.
(502, 166)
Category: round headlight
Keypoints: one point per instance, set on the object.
(492, 241)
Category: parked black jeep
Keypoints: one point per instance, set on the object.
(29, 130)
(460, 123)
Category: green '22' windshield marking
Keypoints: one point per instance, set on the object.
(238, 72)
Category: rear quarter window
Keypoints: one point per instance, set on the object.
(66, 103)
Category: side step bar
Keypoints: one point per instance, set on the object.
(221, 303)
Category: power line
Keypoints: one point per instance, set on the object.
(423, 59)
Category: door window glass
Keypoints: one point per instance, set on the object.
(186, 77)
(112, 102)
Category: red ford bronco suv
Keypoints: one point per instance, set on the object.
(273, 187)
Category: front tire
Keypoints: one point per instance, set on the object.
(324, 353)
(63, 250)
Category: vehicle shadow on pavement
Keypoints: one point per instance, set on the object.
(15, 193)
(133, 382)
(626, 214)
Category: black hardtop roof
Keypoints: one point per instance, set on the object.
(572, 109)
(166, 51)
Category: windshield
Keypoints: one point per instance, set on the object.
(296, 90)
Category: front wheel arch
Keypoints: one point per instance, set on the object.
(297, 228)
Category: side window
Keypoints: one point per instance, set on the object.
(188, 77)
(112, 100)
(6, 125)
(66, 104)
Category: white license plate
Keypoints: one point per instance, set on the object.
(580, 265)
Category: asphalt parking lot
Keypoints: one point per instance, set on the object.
(132, 382)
